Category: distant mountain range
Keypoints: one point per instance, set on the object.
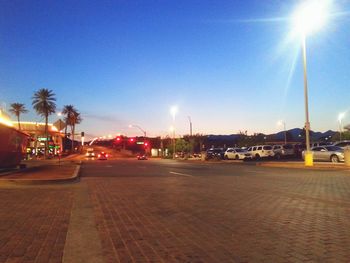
(292, 134)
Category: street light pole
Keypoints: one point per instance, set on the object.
(142, 130)
(340, 119)
(173, 111)
(306, 98)
(189, 119)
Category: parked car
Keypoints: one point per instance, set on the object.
(90, 153)
(102, 156)
(215, 153)
(342, 144)
(331, 153)
(261, 151)
(237, 154)
(317, 144)
(284, 150)
(142, 157)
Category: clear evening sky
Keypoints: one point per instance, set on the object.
(128, 61)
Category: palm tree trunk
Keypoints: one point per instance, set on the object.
(19, 124)
(73, 130)
(46, 134)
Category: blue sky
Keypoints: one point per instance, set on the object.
(127, 62)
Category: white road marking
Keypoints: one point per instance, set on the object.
(188, 175)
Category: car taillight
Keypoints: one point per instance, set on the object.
(106, 155)
(99, 155)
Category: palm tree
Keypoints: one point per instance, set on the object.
(44, 104)
(67, 110)
(17, 109)
(74, 119)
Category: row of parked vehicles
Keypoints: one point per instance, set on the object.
(322, 151)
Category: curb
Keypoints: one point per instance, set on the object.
(301, 166)
(74, 177)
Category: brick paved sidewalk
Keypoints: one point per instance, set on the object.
(33, 224)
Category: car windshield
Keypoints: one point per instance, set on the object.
(267, 148)
(334, 149)
(240, 150)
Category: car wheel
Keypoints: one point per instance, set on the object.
(334, 159)
(226, 157)
(257, 156)
(237, 157)
(278, 156)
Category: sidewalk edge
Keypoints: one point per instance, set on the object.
(74, 177)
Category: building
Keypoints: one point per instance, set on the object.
(36, 131)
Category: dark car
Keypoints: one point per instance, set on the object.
(142, 157)
(215, 153)
(102, 156)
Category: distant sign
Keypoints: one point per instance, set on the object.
(139, 142)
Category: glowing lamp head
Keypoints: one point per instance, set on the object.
(311, 16)
(341, 116)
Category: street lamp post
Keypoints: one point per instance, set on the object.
(189, 119)
(172, 129)
(340, 119)
(306, 100)
(280, 123)
(173, 111)
(310, 16)
(136, 126)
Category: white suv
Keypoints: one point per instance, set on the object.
(261, 151)
(237, 154)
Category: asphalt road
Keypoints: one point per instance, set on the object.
(124, 210)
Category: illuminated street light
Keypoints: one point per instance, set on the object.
(340, 119)
(59, 114)
(283, 123)
(309, 17)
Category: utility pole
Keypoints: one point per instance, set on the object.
(189, 119)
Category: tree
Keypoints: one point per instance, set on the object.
(44, 104)
(68, 111)
(17, 109)
(74, 119)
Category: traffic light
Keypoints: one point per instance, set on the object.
(118, 139)
(146, 144)
(131, 139)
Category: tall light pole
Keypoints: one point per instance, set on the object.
(280, 123)
(136, 126)
(189, 119)
(310, 16)
(340, 119)
(173, 111)
(172, 130)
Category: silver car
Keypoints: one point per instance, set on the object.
(330, 153)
